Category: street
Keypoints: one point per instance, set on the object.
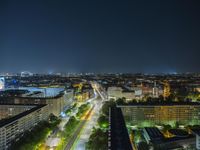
(80, 128)
(81, 135)
(87, 128)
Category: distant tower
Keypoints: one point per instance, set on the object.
(2, 83)
(166, 92)
(155, 90)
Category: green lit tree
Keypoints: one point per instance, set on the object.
(98, 140)
(103, 121)
(106, 106)
(121, 101)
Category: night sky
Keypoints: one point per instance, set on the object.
(100, 36)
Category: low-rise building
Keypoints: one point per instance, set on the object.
(117, 92)
(156, 139)
(84, 95)
(152, 134)
(131, 93)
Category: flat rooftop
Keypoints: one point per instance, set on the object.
(33, 92)
(178, 132)
(160, 104)
(154, 133)
(196, 131)
(119, 137)
(16, 117)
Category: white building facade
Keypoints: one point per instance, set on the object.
(12, 128)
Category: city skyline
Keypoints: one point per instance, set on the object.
(99, 75)
(93, 36)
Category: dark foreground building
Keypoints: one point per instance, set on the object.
(118, 134)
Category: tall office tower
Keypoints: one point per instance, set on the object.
(166, 92)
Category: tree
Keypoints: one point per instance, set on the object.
(137, 136)
(103, 121)
(176, 124)
(106, 106)
(32, 138)
(98, 140)
(71, 123)
(166, 127)
(82, 109)
(121, 101)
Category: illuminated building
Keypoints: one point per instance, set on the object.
(197, 89)
(69, 97)
(2, 83)
(166, 92)
(7, 111)
(117, 92)
(134, 92)
(78, 86)
(12, 128)
(56, 99)
(147, 91)
(155, 90)
(84, 95)
(56, 104)
(148, 114)
(26, 74)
